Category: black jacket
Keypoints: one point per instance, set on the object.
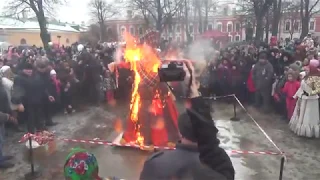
(184, 162)
(208, 144)
(32, 90)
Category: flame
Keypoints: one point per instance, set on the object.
(134, 54)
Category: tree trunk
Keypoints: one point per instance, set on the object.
(276, 17)
(187, 21)
(160, 16)
(305, 27)
(267, 28)
(44, 34)
(102, 32)
(205, 24)
(259, 29)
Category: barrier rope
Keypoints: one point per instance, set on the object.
(107, 143)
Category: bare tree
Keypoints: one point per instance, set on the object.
(307, 9)
(259, 9)
(159, 11)
(41, 8)
(292, 16)
(100, 11)
(277, 7)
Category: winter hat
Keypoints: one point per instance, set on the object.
(53, 72)
(314, 63)
(302, 74)
(185, 127)
(294, 67)
(81, 165)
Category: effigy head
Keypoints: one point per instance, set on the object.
(151, 37)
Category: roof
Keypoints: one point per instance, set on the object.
(9, 23)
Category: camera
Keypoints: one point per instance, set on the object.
(172, 71)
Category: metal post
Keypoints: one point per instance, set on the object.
(281, 167)
(33, 174)
(235, 118)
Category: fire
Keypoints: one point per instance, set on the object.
(135, 54)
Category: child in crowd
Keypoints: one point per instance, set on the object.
(290, 88)
(109, 84)
(66, 97)
(82, 165)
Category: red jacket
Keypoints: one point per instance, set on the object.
(250, 84)
(290, 88)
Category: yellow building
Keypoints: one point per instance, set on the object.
(17, 33)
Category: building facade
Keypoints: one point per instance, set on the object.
(232, 25)
(17, 32)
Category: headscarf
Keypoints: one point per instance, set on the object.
(6, 72)
(81, 165)
(313, 67)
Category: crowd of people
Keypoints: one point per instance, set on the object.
(36, 84)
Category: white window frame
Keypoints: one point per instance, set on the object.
(235, 27)
(219, 24)
(133, 30)
(235, 38)
(314, 25)
(140, 32)
(122, 30)
(231, 29)
(285, 26)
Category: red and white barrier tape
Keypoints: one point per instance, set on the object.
(102, 142)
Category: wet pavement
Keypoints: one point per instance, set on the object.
(98, 122)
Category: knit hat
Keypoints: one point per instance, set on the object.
(81, 165)
(185, 127)
(314, 63)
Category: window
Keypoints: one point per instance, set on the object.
(140, 31)
(210, 27)
(311, 25)
(178, 39)
(219, 27)
(123, 29)
(296, 26)
(237, 38)
(131, 30)
(191, 38)
(229, 27)
(178, 29)
(238, 27)
(23, 41)
(287, 26)
(67, 41)
(191, 28)
(109, 31)
(200, 29)
(230, 38)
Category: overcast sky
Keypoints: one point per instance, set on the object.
(73, 10)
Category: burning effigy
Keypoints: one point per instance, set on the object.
(152, 119)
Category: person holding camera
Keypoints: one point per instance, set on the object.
(198, 155)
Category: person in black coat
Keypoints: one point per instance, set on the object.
(33, 89)
(198, 155)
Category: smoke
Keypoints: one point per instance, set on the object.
(201, 52)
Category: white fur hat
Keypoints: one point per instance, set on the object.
(53, 72)
(80, 47)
